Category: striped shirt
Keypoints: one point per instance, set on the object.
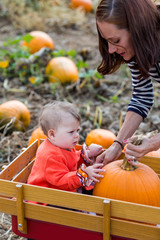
(142, 98)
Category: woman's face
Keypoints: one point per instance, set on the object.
(119, 40)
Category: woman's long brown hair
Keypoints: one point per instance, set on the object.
(142, 19)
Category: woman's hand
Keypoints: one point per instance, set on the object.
(109, 155)
(135, 152)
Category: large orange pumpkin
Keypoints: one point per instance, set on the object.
(37, 134)
(62, 69)
(124, 182)
(40, 40)
(16, 113)
(86, 5)
(100, 136)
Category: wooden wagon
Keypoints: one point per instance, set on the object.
(69, 215)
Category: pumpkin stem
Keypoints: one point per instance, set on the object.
(137, 141)
(127, 166)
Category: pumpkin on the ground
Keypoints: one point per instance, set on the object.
(37, 134)
(61, 69)
(103, 137)
(86, 5)
(40, 40)
(14, 113)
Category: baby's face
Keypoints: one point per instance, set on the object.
(67, 133)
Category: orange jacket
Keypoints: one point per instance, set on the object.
(56, 168)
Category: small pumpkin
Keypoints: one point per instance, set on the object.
(40, 40)
(61, 69)
(103, 137)
(16, 113)
(86, 5)
(37, 134)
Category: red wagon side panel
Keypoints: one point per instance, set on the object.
(39, 230)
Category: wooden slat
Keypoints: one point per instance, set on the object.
(134, 230)
(54, 215)
(23, 175)
(64, 199)
(136, 212)
(106, 219)
(19, 163)
(22, 223)
(8, 206)
(54, 197)
(152, 162)
(7, 188)
(119, 209)
(64, 217)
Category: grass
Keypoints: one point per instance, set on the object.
(46, 14)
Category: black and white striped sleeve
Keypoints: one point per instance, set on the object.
(142, 97)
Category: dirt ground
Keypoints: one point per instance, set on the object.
(95, 94)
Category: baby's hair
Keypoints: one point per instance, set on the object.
(53, 113)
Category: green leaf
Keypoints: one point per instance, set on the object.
(39, 80)
(72, 53)
(27, 38)
(98, 75)
(102, 98)
(59, 53)
(81, 64)
(114, 99)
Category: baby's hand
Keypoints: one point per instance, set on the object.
(93, 172)
(94, 150)
(89, 153)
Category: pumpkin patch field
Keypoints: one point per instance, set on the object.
(50, 52)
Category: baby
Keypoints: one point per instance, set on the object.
(58, 165)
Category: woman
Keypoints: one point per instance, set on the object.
(129, 32)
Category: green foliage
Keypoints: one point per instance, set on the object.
(19, 62)
(81, 64)
(88, 74)
(112, 99)
(16, 61)
(71, 53)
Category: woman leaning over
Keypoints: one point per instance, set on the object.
(129, 32)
